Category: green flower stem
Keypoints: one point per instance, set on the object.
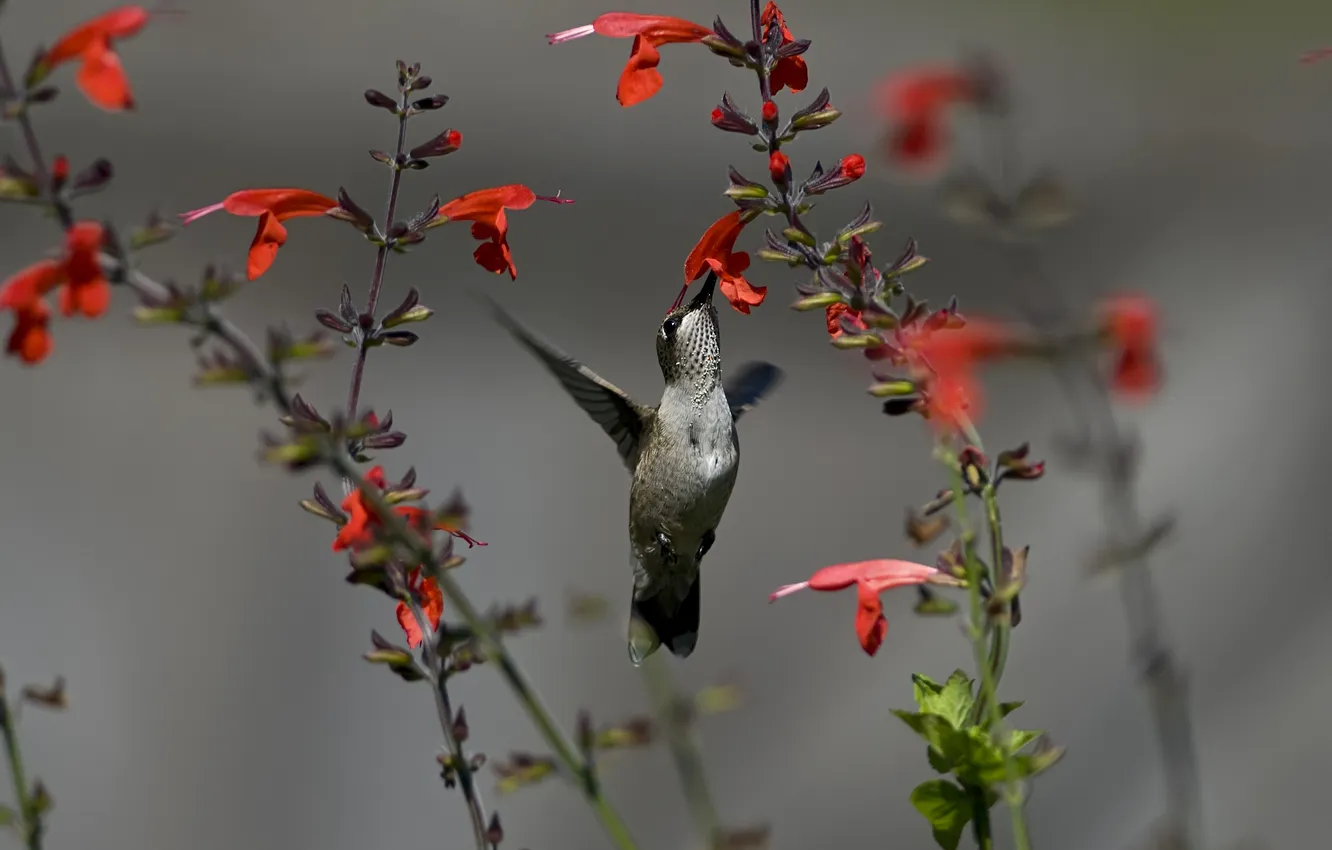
(984, 651)
(688, 758)
(30, 819)
(980, 819)
(575, 766)
(438, 679)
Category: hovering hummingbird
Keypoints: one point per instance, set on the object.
(683, 455)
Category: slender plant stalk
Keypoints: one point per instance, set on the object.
(983, 650)
(336, 460)
(30, 820)
(980, 820)
(462, 766)
(674, 719)
(1102, 438)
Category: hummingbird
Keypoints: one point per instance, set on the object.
(683, 456)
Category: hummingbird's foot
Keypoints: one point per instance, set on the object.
(664, 547)
(709, 537)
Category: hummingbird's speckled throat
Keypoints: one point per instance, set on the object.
(683, 456)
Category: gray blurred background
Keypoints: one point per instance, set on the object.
(213, 650)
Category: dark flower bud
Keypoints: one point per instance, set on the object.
(378, 98)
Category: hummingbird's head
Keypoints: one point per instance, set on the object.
(688, 342)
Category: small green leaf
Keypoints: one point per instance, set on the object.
(954, 702)
(1007, 708)
(817, 301)
(923, 687)
(938, 761)
(1019, 738)
(946, 807)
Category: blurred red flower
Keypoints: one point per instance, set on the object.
(914, 101)
(431, 600)
(1130, 323)
(833, 314)
(716, 251)
(85, 290)
(272, 206)
(870, 578)
(101, 78)
(640, 79)
(790, 72)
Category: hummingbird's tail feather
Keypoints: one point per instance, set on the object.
(653, 624)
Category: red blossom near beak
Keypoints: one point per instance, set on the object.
(871, 578)
(790, 72)
(1130, 322)
(915, 102)
(485, 209)
(272, 206)
(640, 79)
(716, 251)
(431, 600)
(101, 78)
(85, 290)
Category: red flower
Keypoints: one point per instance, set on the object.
(101, 78)
(30, 339)
(915, 102)
(359, 531)
(871, 578)
(1130, 322)
(833, 314)
(272, 206)
(790, 72)
(769, 112)
(945, 360)
(778, 165)
(716, 251)
(640, 79)
(485, 209)
(86, 291)
(431, 600)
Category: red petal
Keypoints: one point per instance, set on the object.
(659, 28)
(270, 236)
(410, 627)
(871, 625)
(118, 23)
(921, 93)
(918, 145)
(282, 203)
(881, 574)
(717, 242)
(1137, 374)
(640, 78)
(376, 475)
(102, 78)
(91, 298)
(28, 285)
(30, 339)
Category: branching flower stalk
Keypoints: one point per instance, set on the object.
(329, 450)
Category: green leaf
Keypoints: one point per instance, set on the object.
(977, 758)
(946, 807)
(954, 703)
(924, 687)
(938, 761)
(1019, 738)
(948, 746)
(1007, 708)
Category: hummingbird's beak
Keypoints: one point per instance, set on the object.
(704, 296)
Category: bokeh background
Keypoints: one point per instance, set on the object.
(213, 650)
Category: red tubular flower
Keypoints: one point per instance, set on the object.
(272, 206)
(431, 600)
(790, 72)
(870, 578)
(85, 290)
(101, 78)
(1130, 322)
(716, 251)
(485, 209)
(915, 102)
(363, 524)
(640, 79)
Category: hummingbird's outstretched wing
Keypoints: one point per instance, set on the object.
(750, 383)
(618, 415)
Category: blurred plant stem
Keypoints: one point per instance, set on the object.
(28, 812)
(273, 385)
(675, 714)
(1107, 448)
(989, 641)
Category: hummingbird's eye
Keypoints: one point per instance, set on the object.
(670, 326)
